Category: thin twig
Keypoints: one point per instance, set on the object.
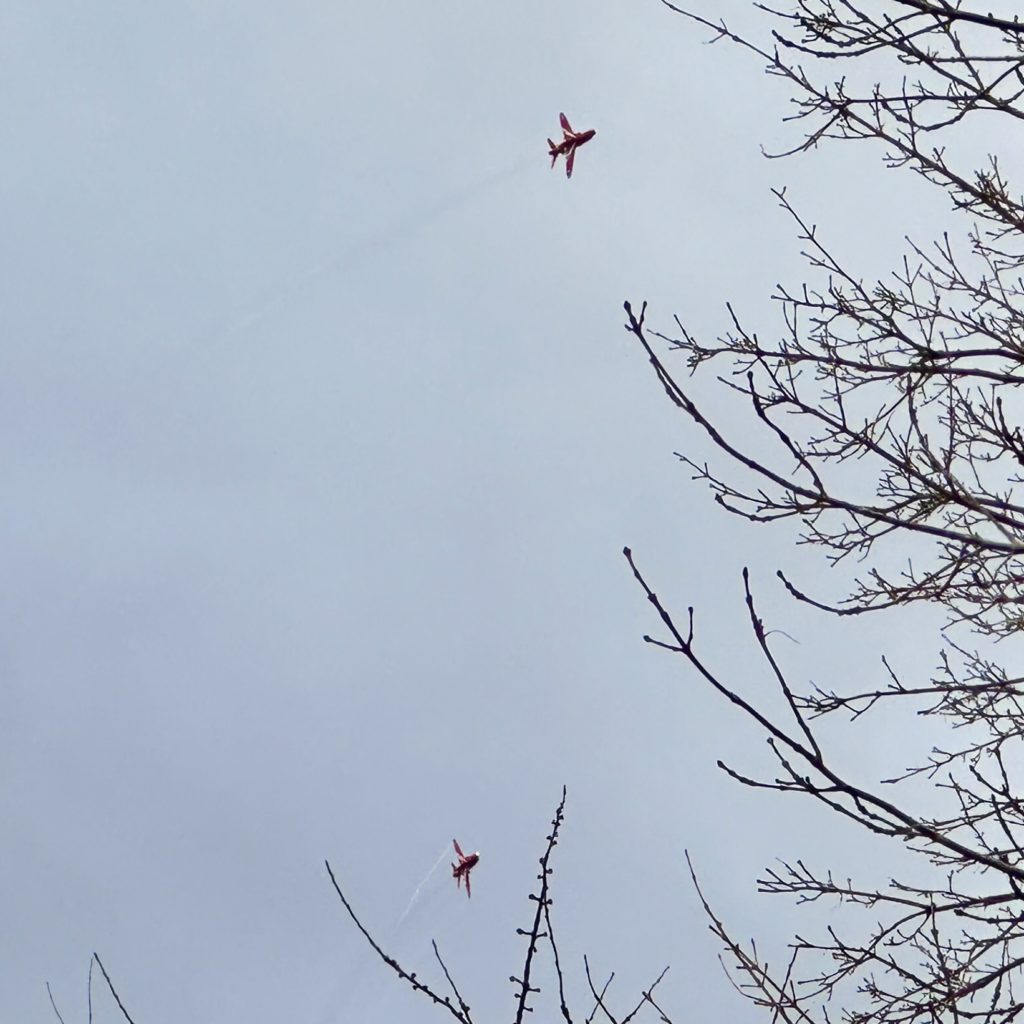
(408, 976)
(563, 1006)
(113, 991)
(463, 1005)
(53, 1004)
(598, 996)
(645, 997)
(534, 934)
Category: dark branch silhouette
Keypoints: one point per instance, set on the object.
(110, 985)
(460, 1012)
(534, 935)
(882, 417)
(53, 1003)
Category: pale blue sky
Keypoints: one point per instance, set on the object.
(320, 440)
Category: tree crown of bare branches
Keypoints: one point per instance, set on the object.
(892, 413)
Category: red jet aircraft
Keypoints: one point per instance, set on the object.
(463, 868)
(569, 144)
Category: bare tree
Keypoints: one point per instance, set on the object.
(889, 413)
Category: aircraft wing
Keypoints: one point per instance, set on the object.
(458, 849)
(569, 162)
(468, 890)
(565, 123)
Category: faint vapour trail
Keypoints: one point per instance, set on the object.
(416, 894)
(401, 229)
(168, 381)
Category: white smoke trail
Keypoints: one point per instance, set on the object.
(188, 366)
(416, 893)
(399, 230)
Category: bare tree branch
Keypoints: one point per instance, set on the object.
(457, 1012)
(113, 991)
(534, 934)
(53, 1004)
(463, 1007)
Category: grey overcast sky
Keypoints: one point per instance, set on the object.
(320, 439)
